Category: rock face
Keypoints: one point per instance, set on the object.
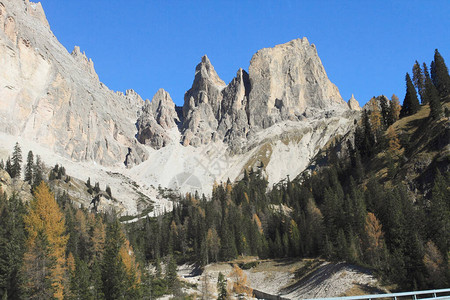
(287, 79)
(201, 107)
(158, 116)
(55, 98)
(282, 83)
(353, 104)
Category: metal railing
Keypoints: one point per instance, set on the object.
(419, 295)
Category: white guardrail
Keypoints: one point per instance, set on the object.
(419, 295)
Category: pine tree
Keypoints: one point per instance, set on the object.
(384, 104)
(9, 167)
(433, 98)
(419, 80)
(12, 241)
(29, 168)
(440, 76)
(222, 287)
(46, 241)
(411, 103)
(37, 172)
(426, 76)
(120, 276)
(16, 161)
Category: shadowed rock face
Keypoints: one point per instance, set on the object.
(157, 117)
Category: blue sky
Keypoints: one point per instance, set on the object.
(365, 46)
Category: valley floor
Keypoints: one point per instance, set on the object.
(290, 279)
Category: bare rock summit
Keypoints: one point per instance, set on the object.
(353, 104)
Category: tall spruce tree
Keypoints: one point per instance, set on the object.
(419, 80)
(16, 161)
(29, 168)
(37, 172)
(441, 78)
(426, 76)
(411, 103)
(432, 96)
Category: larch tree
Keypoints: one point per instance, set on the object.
(374, 240)
(45, 261)
(411, 103)
(213, 243)
(435, 265)
(394, 109)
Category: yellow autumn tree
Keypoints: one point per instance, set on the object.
(44, 260)
(239, 281)
(375, 117)
(98, 238)
(395, 108)
(126, 253)
(213, 243)
(374, 241)
(394, 142)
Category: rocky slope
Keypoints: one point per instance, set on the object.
(52, 101)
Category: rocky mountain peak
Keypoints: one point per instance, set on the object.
(36, 10)
(353, 104)
(84, 61)
(206, 71)
(157, 117)
(287, 79)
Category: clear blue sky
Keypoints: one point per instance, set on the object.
(365, 46)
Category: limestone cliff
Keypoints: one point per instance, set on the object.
(55, 98)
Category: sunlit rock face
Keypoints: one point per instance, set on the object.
(55, 97)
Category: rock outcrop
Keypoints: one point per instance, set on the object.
(201, 107)
(157, 117)
(353, 104)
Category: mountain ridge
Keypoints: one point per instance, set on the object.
(55, 99)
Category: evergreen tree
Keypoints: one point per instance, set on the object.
(419, 80)
(16, 161)
(384, 104)
(426, 76)
(29, 168)
(222, 287)
(37, 172)
(411, 103)
(114, 275)
(120, 278)
(12, 241)
(440, 75)
(9, 167)
(433, 98)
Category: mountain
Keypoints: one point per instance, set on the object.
(275, 117)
